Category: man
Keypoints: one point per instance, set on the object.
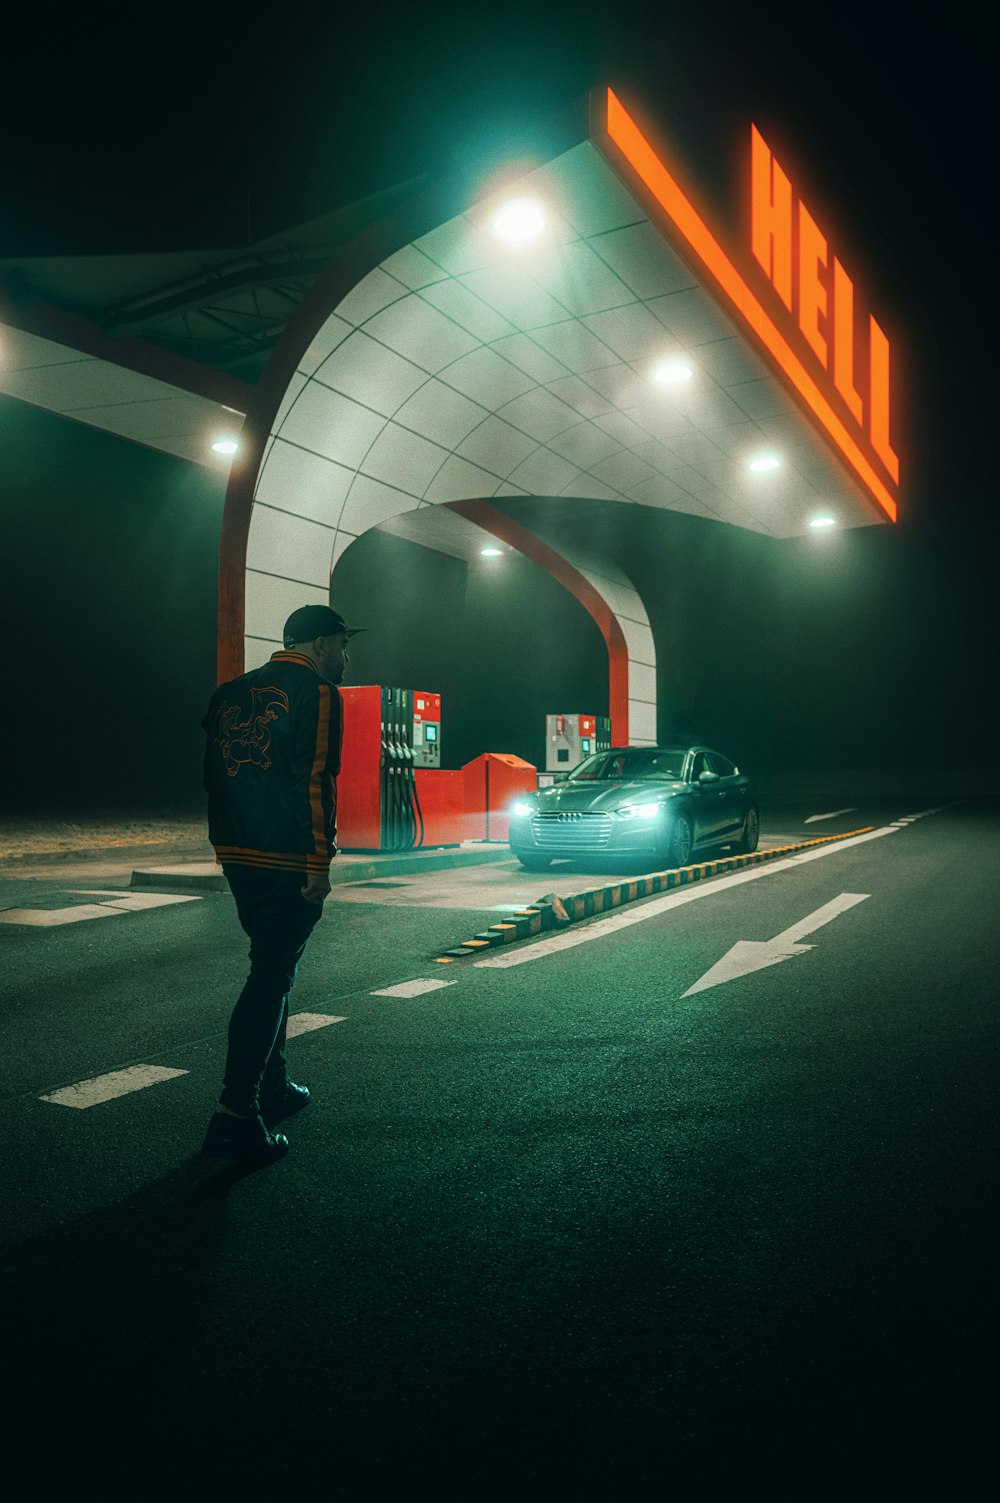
(272, 753)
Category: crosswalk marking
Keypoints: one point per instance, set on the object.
(106, 1087)
(47, 917)
(122, 902)
(305, 1022)
(412, 988)
(138, 900)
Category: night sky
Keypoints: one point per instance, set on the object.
(212, 127)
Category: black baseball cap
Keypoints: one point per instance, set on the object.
(311, 621)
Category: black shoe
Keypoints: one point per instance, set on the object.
(242, 1137)
(275, 1106)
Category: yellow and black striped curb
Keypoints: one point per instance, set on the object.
(552, 912)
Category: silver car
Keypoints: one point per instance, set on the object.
(662, 804)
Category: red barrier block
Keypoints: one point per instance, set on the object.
(493, 782)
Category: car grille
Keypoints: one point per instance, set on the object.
(566, 832)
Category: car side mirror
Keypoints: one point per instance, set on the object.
(708, 777)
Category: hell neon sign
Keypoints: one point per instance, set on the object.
(773, 207)
(817, 300)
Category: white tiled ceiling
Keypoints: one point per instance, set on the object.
(487, 378)
(572, 343)
(512, 289)
(114, 398)
(442, 529)
(418, 331)
(440, 413)
(579, 279)
(388, 378)
(496, 446)
(540, 414)
(319, 488)
(635, 253)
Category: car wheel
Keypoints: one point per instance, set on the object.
(534, 863)
(751, 833)
(678, 850)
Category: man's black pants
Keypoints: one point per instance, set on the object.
(279, 921)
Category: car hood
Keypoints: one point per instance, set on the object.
(601, 798)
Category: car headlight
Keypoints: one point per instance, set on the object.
(638, 811)
(523, 809)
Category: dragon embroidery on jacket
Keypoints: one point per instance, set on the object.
(248, 740)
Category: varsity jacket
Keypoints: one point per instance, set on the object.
(273, 741)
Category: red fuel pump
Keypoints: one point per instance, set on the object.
(392, 794)
(570, 738)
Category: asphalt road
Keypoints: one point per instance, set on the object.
(569, 1223)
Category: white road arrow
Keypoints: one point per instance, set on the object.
(753, 955)
(814, 817)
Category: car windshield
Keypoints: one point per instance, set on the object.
(641, 764)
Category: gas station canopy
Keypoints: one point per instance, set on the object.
(578, 331)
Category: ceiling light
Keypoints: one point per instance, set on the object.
(520, 221)
(491, 552)
(820, 522)
(225, 446)
(765, 462)
(672, 372)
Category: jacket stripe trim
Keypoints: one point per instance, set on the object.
(267, 866)
(293, 657)
(249, 850)
(319, 763)
(267, 858)
(272, 866)
(223, 858)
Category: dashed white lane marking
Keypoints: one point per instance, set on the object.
(137, 1077)
(107, 1087)
(601, 927)
(411, 988)
(814, 817)
(124, 902)
(305, 1022)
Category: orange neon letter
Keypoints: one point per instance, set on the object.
(812, 292)
(771, 216)
(879, 410)
(843, 339)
